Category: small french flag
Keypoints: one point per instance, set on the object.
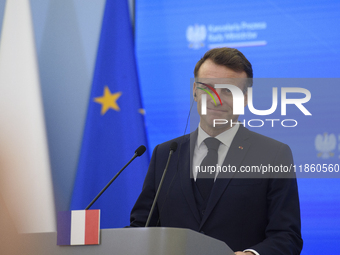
(79, 227)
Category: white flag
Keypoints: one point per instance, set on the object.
(25, 176)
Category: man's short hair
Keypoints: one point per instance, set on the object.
(230, 58)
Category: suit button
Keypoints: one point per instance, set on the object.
(203, 211)
(202, 232)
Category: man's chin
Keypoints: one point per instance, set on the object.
(219, 125)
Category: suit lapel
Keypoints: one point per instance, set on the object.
(236, 153)
(185, 169)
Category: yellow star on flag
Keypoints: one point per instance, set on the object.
(108, 100)
(141, 111)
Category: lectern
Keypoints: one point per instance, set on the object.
(130, 241)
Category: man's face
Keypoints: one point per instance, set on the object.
(211, 73)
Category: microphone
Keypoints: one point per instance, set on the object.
(173, 148)
(139, 152)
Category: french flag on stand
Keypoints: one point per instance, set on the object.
(78, 227)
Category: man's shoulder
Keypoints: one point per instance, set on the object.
(265, 150)
(255, 137)
(179, 140)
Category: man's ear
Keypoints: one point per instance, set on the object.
(194, 90)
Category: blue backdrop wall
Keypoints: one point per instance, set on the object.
(295, 41)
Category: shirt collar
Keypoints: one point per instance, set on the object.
(225, 138)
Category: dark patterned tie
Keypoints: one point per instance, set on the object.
(205, 180)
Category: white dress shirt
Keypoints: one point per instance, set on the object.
(201, 149)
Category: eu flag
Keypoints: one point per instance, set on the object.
(114, 126)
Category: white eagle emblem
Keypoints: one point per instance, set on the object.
(196, 35)
(325, 144)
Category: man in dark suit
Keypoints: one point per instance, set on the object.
(252, 215)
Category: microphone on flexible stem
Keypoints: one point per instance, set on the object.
(173, 148)
(139, 152)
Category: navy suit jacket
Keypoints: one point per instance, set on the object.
(246, 213)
